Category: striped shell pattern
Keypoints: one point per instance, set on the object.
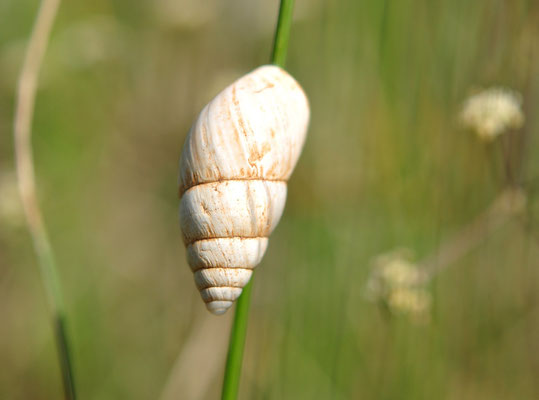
(234, 169)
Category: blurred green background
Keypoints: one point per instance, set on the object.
(386, 165)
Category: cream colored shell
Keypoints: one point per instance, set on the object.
(233, 171)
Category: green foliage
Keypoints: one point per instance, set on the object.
(386, 165)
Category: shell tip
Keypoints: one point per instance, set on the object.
(218, 307)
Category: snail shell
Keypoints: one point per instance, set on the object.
(234, 167)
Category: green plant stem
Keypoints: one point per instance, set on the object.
(22, 129)
(282, 33)
(238, 333)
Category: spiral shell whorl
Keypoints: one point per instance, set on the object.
(233, 171)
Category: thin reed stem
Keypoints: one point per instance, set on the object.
(238, 333)
(22, 127)
(282, 33)
(509, 204)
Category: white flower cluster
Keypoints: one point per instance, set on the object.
(492, 112)
(396, 282)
